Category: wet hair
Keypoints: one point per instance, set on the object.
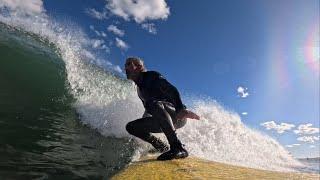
(136, 61)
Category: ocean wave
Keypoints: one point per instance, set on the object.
(106, 103)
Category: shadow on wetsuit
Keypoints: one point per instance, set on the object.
(162, 102)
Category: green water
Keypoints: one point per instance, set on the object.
(40, 133)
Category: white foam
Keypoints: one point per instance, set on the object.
(221, 136)
(107, 103)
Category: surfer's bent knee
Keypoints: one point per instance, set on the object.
(179, 123)
(130, 128)
(155, 107)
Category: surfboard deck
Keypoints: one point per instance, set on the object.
(194, 168)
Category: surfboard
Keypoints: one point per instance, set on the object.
(194, 168)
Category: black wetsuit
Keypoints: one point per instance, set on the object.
(162, 102)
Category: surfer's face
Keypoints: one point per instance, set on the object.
(133, 68)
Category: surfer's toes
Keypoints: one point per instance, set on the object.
(173, 154)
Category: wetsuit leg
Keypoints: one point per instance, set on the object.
(159, 112)
(171, 110)
(142, 128)
(162, 120)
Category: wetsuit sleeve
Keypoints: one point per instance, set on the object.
(169, 92)
(145, 114)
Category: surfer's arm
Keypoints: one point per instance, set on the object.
(146, 114)
(171, 92)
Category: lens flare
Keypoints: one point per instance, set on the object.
(311, 51)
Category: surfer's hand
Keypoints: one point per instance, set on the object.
(184, 113)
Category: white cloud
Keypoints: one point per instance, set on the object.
(115, 30)
(243, 92)
(244, 113)
(100, 44)
(97, 43)
(100, 34)
(150, 27)
(292, 145)
(96, 14)
(280, 128)
(139, 10)
(309, 139)
(121, 44)
(97, 33)
(103, 34)
(306, 129)
(23, 6)
(312, 146)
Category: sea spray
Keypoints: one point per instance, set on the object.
(106, 103)
(221, 136)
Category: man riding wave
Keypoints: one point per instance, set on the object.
(164, 111)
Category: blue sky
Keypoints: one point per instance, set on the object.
(257, 58)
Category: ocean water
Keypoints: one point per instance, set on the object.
(311, 165)
(63, 111)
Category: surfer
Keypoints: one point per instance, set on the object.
(164, 111)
